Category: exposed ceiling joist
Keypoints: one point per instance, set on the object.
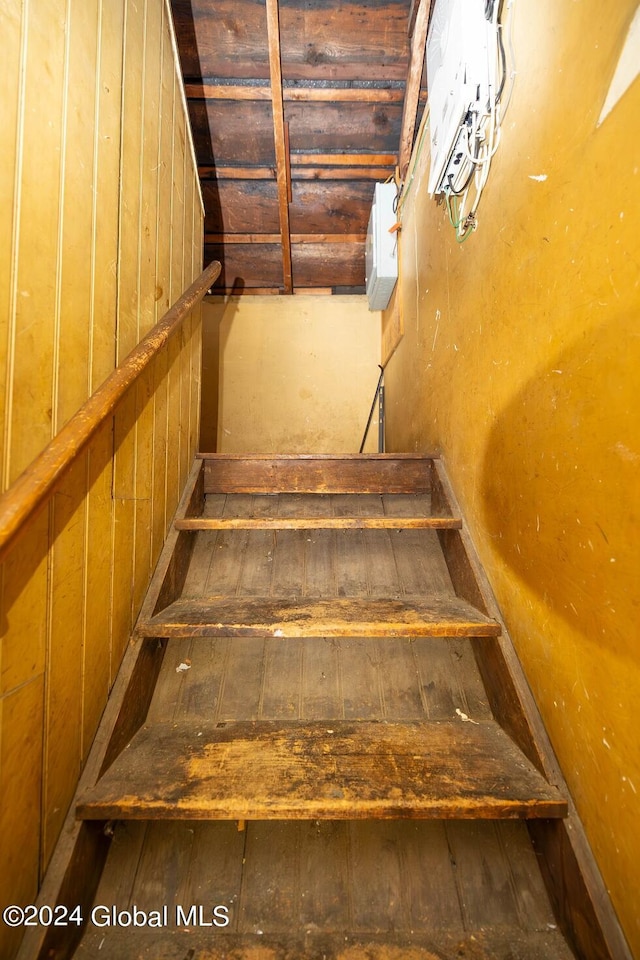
(275, 238)
(333, 74)
(281, 140)
(414, 79)
(324, 94)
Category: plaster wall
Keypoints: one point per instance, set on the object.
(519, 361)
(296, 374)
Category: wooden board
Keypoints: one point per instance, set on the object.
(329, 890)
(316, 523)
(181, 943)
(336, 617)
(317, 474)
(259, 770)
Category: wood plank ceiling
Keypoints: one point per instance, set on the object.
(297, 108)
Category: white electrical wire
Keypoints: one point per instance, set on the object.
(481, 163)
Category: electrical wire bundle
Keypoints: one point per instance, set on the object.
(479, 138)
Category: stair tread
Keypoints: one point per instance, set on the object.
(318, 523)
(437, 616)
(260, 770)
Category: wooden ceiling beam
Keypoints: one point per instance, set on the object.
(270, 292)
(343, 159)
(414, 79)
(299, 173)
(217, 238)
(236, 91)
(282, 162)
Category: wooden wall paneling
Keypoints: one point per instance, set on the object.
(72, 384)
(63, 723)
(21, 719)
(33, 334)
(101, 657)
(187, 327)
(127, 323)
(73, 320)
(196, 340)
(160, 515)
(106, 211)
(145, 419)
(24, 608)
(193, 329)
(72, 323)
(130, 179)
(10, 114)
(96, 654)
(143, 485)
(177, 285)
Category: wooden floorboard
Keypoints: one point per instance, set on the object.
(313, 770)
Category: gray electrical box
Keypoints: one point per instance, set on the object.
(381, 256)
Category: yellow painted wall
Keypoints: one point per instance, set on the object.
(100, 231)
(296, 374)
(521, 361)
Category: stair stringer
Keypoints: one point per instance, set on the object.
(574, 883)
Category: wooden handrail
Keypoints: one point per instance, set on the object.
(33, 488)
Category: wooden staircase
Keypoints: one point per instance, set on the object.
(319, 683)
(250, 568)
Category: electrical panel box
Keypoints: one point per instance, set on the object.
(461, 82)
(381, 255)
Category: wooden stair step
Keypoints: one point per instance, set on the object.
(335, 617)
(317, 473)
(318, 523)
(270, 770)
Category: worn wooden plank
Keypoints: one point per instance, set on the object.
(172, 944)
(330, 207)
(242, 680)
(316, 474)
(172, 567)
(329, 92)
(281, 690)
(329, 265)
(275, 238)
(270, 907)
(360, 664)
(247, 265)
(315, 771)
(281, 140)
(329, 126)
(321, 681)
(320, 41)
(317, 523)
(355, 617)
(449, 679)
(414, 79)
